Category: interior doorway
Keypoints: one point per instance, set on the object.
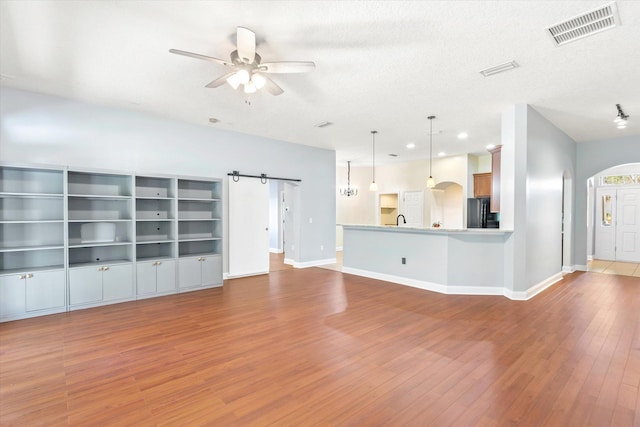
(567, 222)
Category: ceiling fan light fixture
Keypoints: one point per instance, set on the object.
(233, 81)
(258, 80)
(249, 87)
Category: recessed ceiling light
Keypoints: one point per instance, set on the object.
(411, 145)
(491, 146)
(442, 154)
(323, 124)
(463, 135)
(499, 68)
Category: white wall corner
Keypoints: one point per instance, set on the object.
(568, 268)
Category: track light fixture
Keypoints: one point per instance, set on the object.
(621, 118)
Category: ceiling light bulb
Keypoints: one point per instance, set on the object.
(411, 145)
(249, 87)
(243, 76)
(442, 154)
(463, 135)
(233, 81)
(491, 146)
(373, 186)
(622, 126)
(258, 80)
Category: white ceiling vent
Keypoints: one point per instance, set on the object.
(587, 24)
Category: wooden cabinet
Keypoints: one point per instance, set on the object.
(198, 272)
(495, 178)
(156, 277)
(482, 184)
(95, 285)
(31, 294)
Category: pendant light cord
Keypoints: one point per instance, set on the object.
(373, 133)
(430, 143)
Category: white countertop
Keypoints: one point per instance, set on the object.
(430, 230)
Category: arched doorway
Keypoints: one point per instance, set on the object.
(447, 205)
(613, 219)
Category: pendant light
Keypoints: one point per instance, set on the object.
(349, 191)
(374, 186)
(430, 182)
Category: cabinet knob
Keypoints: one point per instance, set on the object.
(22, 277)
(29, 275)
(100, 268)
(158, 263)
(105, 268)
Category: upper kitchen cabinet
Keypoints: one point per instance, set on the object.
(482, 184)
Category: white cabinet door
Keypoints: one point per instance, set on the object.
(146, 278)
(85, 285)
(166, 276)
(189, 272)
(12, 300)
(117, 282)
(212, 270)
(45, 290)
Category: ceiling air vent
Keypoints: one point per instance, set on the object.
(587, 24)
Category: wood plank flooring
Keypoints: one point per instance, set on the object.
(304, 347)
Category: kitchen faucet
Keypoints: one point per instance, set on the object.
(404, 220)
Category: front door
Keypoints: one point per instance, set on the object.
(628, 226)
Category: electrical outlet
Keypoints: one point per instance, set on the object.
(404, 260)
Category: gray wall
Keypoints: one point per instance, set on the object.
(592, 158)
(550, 152)
(38, 128)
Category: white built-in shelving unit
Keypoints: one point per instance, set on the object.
(199, 232)
(32, 241)
(72, 238)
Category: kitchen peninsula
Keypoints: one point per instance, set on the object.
(462, 261)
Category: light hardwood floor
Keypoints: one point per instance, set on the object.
(312, 346)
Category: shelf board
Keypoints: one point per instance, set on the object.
(75, 244)
(155, 220)
(155, 258)
(154, 198)
(31, 248)
(100, 220)
(196, 199)
(199, 219)
(200, 239)
(195, 254)
(33, 195)
(147, 242)
(12, 271)
(38, 221)
(98, 263)
(99, 196)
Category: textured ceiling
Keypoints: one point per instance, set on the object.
(379, 65)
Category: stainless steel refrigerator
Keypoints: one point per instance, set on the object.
(479, 214)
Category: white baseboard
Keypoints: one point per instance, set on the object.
(314, 263)
(589, 257)
(457, 290)
(568, 268)
(226, 276)
(580, 267)
(289, 261)
(338, 248)
(276, 250)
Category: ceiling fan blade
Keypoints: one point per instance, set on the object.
(220, 80)
(287, 67)
(246, 44)
(272, 87)
(204, 57)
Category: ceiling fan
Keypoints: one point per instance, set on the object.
(247, 67)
